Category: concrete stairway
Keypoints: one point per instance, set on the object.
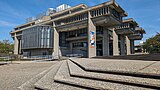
(74, 75)
(145, 57)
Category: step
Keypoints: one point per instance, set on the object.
(155, 68)
(47, 81)
(123, 67)
(63, 76)
(29, 85)
(59, 86)
(76, 71)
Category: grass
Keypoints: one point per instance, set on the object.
(2, 60)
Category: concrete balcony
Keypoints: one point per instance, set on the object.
(140, 30)
(135, 36)
(138, 34)
(124, 29)
(128, 26)
(106, 20)
(72, 26)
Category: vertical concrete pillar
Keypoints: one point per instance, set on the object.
(132, 46)
(56, 51)
(105, 42)
(16, 43)
(128, 45)
(71, 47)
(122, 44)
(91, 37)
(115, 44)
(20, 46)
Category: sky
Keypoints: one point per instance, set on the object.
(15, 12)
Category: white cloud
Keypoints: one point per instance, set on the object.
(8, 24)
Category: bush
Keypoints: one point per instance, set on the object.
(152, 45)
(6, 46)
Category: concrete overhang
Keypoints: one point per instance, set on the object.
(72, 26)
(135, 37)
(130, 20)
(118, 8)
(70, 9)
(141, 30)
(15, 31)
(23, 25)
(39, 24)
(106, 20)
(124, 31)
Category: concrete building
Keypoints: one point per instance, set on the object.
(88, 31)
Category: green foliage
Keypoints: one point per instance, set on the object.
(153, 44)
(6, 46)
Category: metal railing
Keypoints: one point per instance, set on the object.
(6, 60)
(38, 57)
(74, 55)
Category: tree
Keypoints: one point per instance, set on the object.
(152, 45)
(6, 46)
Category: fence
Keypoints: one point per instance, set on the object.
(39, 57)
(7, 59)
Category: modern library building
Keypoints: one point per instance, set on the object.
(80, 30)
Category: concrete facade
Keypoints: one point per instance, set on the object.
(15, 45)
(128, 45)
(91, 29)
(115, 44)
(86, 31)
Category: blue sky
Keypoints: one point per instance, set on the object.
(15, 12)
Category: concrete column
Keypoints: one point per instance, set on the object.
(71, 47)
(15, 45)
(115, 44)
(20, 46)
(132, 46)
(91, 37)
(122, 44)
(56, 51)
(128, 45)
(105, 42)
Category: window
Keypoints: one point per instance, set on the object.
(79, 44)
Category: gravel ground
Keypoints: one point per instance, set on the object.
(14, 75)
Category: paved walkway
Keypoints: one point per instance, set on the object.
(14, 75)
(99, 74)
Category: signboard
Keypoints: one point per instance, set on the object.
(92, 39)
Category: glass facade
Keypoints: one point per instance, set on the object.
(37, 37)
(62, 39)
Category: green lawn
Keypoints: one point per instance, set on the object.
(2, 60)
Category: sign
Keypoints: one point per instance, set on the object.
(92, 39)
